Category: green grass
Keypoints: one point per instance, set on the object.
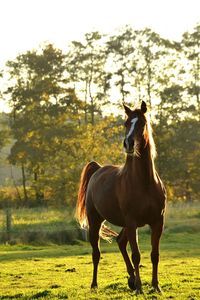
(65, 271)
(38, 218)
(40, 226)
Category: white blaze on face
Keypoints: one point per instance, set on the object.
(133, 122)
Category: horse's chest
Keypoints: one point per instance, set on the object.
(148, 215)
(143, 211)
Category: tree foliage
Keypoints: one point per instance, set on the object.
(61, 110)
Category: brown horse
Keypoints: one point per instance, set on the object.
(129, 196)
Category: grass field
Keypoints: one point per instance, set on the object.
(40, 226)
(64, 272)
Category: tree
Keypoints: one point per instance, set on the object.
(37, 89)
(150, 54)
(4, 130)
(58, 119)
(121, 57)
(86, 66)
(191, 47)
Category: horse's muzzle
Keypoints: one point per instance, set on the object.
(129, 145)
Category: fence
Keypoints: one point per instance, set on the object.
(39, 226)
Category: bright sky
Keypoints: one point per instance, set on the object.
(25, 24)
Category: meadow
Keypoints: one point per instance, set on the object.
(52, 271)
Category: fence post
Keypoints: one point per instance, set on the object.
(8, 224)
(85, 235)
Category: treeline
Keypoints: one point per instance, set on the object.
(66, 110)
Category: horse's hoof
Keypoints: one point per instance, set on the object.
(157, 289)
(139, 291)
(131, 283)
(94, 286)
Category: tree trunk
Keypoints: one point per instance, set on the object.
(197, 86)
(92, 103)
(14, 183)
(24, 185)
(188, 194)
(149, 84)
(85, 108)
(39, 196)
(8, 224)
(122, 88)
(36, 187)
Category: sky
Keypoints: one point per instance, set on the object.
(25, 24)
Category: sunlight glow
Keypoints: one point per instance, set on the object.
(27, 24)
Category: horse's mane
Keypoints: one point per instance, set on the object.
(148, 136)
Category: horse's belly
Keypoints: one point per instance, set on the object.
(109, 209)
(115, 220)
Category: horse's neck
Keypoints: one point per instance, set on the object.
(141, 168)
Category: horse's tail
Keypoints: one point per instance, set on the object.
(86, 174)
(105, 232)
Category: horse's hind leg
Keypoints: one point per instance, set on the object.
(156, 231)
(122, 241)
(94, 227)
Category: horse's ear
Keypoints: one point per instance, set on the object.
(143, 107)
(128, 111)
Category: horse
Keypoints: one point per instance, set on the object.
(129, 196)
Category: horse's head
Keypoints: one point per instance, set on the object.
(135, 129)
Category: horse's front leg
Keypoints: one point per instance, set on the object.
(156, 231)
(122, 241)
(133, 240)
